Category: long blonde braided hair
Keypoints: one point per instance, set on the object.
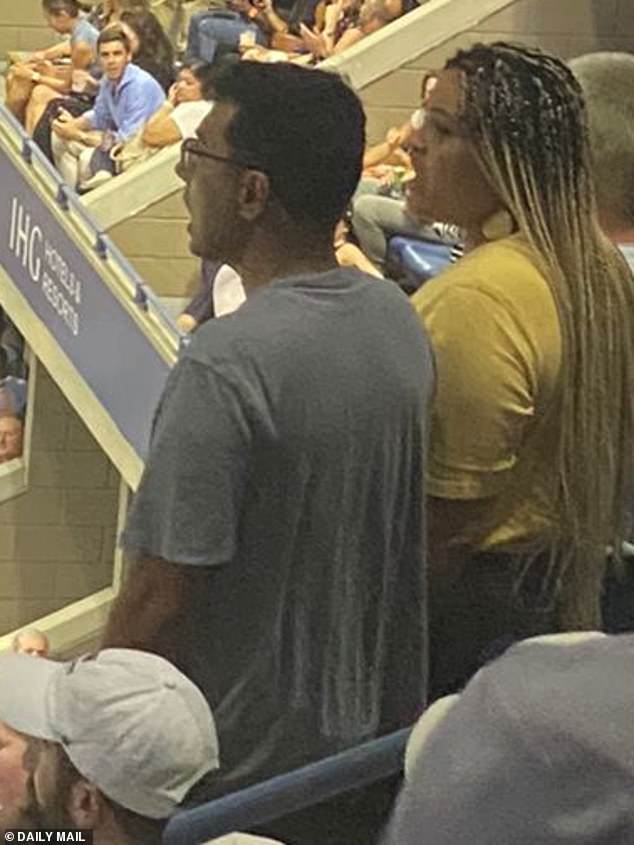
(525, 113)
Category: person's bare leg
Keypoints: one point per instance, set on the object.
(17, 95)
(40, 97)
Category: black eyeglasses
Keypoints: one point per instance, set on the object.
(190, 148)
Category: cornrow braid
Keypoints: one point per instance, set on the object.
(525, 112)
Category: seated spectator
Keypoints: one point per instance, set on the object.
(377, 218)
(220, 292)
(175, 15)
(11, 437)
(32, 642)
(346, 23)
(187, 104)
(261, 22)
(110, 743)
(607, 80)
(349, 254)
(537, 750)
(127, 97)
(110, 11)
(530, 462)
(392, 151)
(151, 51)
(31, 85)
(151, 47)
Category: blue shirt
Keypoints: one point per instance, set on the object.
(124, 106)
(84, 33)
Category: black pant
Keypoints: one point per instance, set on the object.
(75, 105)
(499, 599)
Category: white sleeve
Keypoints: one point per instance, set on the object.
(188, 116)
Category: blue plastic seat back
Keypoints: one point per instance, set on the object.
(418, 260)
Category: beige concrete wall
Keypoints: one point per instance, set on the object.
(57, 539)
(157, 244)
(22, 26)
(565, 27)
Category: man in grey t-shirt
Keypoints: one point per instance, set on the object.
(278, 529)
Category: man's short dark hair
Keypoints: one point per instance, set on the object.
(56, 7)
(304, 128)
(114, 32)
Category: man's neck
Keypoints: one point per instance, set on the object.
(265, 260)
(116, 82)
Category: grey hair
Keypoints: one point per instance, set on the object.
(607, 80)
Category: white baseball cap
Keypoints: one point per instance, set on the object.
(129, 721)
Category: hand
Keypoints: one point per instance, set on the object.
(23, 72)
(80, 81)
(394, 137)
(38, 56)
(172, 94)
(265, 6)
(312, 41)
(65, 129)
(63, 116)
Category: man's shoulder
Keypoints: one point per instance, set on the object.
(85, 31)
(305, 311)
(137, 76)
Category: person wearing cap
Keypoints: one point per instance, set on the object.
(537, 750)
(111, 743)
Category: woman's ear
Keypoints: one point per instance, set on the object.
(254, 192)
(85, 805)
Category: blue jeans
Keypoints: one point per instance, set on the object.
(207, 30)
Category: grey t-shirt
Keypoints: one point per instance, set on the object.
(287, 463)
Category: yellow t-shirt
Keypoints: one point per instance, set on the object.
(493, 324)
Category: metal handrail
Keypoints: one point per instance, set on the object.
(70, 203)
(280, 796)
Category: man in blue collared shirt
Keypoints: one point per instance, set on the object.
(127, 97)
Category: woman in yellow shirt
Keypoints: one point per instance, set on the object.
(532, 443)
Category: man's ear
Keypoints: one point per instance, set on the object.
(254, 191)
(85, 805)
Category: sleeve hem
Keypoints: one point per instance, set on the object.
(466, 487)
(136, 548)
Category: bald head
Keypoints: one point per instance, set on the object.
(11, 437)
(32, 642)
